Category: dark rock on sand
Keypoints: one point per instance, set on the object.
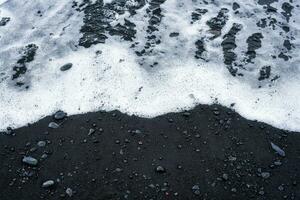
(66, 67)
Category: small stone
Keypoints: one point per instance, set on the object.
(234, 190)
(137, 131)
(66, 67)
(91, 131)
(232, 158)
(44, 156)
(196, 189)
(265, 175)
(277, 163)
(53, 125)
(225, 177)
(294, 183)
(41, 143)
(280, 188)
(69, 192)
(48, 184)
(30, 161)
(160, 169)
(278, 149)
(59, 115)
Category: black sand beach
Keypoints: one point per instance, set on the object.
(209, 152)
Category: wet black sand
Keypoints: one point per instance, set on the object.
(208, 153)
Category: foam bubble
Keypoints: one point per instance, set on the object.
(120, 79)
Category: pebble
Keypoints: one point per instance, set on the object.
(53, 125)
(66, 67)
(41, 143)
(59, 115)
(225, 177)
(48, 184)
(265, 175)
(277, 163)
(278, 149)
(196, 189)
(160, 169)
(30, 161)
(280, 188)
(69, 192)
(91, 131)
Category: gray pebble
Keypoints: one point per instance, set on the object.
(59, 115)
(30, 161)
(41, 143)
(48, 183)
(278, 149)
(69, 192)
(160, 169)
(196, 189)
(225, 177)
(265, 175)
(53, 125)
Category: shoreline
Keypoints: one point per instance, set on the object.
(209, 152)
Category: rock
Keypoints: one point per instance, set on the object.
(66, 67)
(59, 115)
(30, 161)
(160, 169)
(53, 125)
(44, 156)
(225, 177)
(278, 149)
(196, 189)
(69, 192)
(91, 131)
(280, 188)
(265, 175)
(41, 143)
(4, 21)
(277, 163)
(48, 184)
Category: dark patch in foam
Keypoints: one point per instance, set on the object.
(98, 18)
(126, 31)
(229, 45)
(287, 44)
(200, 49)
(235, 6)
(217, 23)
(283, 56)
(254, 43)
(20, 68)
(155, 16)
(4, 21)
(287, 10)
(197, 14)
(264, 73)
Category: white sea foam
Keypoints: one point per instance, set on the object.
(116, 80)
